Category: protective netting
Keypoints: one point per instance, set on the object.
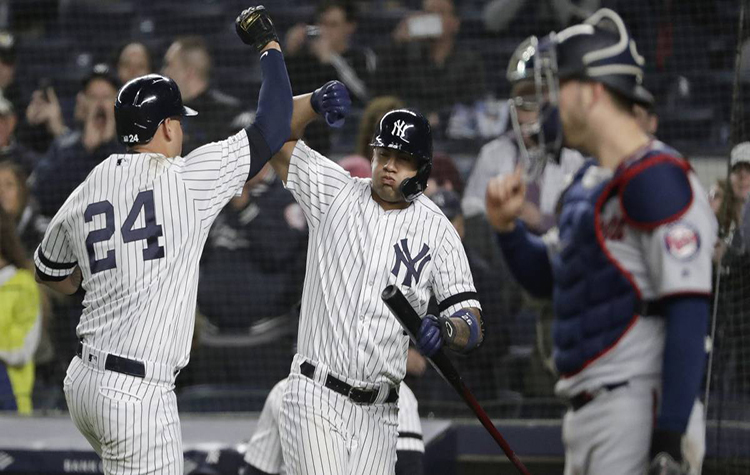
(728, 390)
(449, 63)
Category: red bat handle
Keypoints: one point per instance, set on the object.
(487, 423)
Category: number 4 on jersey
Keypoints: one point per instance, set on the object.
(150, 232)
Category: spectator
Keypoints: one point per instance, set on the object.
(257, 242)
(501, 156)
(316, 55)
(17, 204)
(8, 85)
(426, 65)
(133, 60)
(20, 322)
(44, 119)
(188, 63)
(374, 111)
(735, 212)
(444, 176)
(357, 166)
(324, 52)
(10, 149)
(74, 154)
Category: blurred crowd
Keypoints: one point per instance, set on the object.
(443, 57)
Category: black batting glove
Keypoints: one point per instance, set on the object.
(666, 453)
(254, 27)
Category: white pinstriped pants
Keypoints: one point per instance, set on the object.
(325, 432)
(131, 423)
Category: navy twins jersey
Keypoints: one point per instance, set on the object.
(356, 249)
(136, 227)
(624, 241)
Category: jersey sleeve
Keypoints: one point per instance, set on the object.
(453, 283)
(54, 258)
(678, 253)
(216, 172)
(314, 181)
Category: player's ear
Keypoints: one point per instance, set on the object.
(168, 127)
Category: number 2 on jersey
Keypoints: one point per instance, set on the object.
(150, 232)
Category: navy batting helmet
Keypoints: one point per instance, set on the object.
(142, 105)
(408, 131)
(599, 49)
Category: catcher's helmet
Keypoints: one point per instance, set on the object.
(142, 105)
(408, 131)
(599, 49)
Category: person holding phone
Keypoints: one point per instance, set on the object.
(74, 153)
(437, 69)
(325, 52)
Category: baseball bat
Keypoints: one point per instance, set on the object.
(410, 321)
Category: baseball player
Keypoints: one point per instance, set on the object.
(131, 236)
(628, 266)
(339, 413)
(264, 455)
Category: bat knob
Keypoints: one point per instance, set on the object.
(389, 292)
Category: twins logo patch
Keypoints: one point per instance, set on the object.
(414, 265)
(682, 241)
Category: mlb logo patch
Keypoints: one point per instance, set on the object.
(682, 241)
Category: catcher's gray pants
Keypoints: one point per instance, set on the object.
(611, 434)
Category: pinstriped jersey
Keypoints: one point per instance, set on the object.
(136, 227)
(356, 249)
(409, 425)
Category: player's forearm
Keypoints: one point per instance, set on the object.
(684, 359)
(463, 338)
(271, 127)
(302, 115)
(527, 259)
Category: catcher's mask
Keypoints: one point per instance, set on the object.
(599, 49)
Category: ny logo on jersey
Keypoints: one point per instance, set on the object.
(414, 265)
(399, 128)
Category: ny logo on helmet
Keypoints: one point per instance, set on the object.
(399, 129)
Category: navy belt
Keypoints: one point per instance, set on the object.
(357, 395)
(119, 364)
(581, 399)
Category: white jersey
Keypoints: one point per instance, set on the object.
(136, 227)
(356, 249)
(264, 447)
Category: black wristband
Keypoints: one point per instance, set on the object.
(667, 441)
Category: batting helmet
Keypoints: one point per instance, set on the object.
(408, 131)
(142, 105)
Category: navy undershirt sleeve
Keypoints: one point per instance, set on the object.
(272, 126)
(526, 255)
(684, 359)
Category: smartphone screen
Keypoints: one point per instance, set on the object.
(425, 26)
